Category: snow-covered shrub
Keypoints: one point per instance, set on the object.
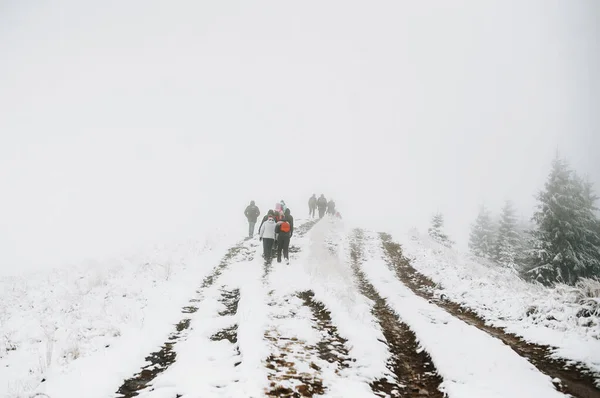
(588, 296)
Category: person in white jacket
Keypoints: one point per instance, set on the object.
(267, 235)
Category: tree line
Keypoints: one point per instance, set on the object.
(561, 241)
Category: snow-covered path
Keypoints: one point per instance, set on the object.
(471, 362)
(336, 322)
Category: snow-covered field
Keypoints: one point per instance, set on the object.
(88, 327)
(255, 330)
(564, 317)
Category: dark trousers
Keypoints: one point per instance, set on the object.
(321, 212)
(311, 211)
(283, 244)
(268, 248)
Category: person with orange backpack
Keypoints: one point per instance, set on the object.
(283, 229)
(290, 219)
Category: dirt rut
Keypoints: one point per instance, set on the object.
(160, 360)
(332, 347)
(231, 299)
(292, 367)
(577, 381)
(415, 374)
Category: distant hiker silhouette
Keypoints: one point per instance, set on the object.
(252, 212)
(312, 205)
(322, 205)
(331, 207)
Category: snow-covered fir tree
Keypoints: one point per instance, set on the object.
(591, 234)
(524, 243)
(481, 239)
(566, 245)
(436, 232)
(507, 238)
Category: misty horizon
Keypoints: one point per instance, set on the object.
(123, 125)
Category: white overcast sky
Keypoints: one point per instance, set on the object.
(126, 122)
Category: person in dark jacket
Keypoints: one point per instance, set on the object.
(312, 205)
(322, 205)
(331, 207)
(252, 212)
(290, 219)
(283, 231)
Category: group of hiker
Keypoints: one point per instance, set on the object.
(322, 205)
(277, 226)
(275, 230)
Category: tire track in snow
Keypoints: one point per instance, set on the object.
(160, 360)
(230, 299)
(293, 369)
(579, 382)
(332, 347)
(415, 373)
(297, 368)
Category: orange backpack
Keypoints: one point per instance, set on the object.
(285, 226)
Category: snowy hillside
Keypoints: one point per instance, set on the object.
(564, 317)
(221, 322)
(89, 324)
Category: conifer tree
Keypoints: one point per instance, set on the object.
(566, 245)
(436, 232)
(524, 243)
(481, 239)
(507, 239)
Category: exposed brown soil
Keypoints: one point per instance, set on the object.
(304, 384)
(332, 347)
(231, 299)
(285, 379)
(414, 372)
(576, 380)
(160, 360)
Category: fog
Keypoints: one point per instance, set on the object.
(128, 123)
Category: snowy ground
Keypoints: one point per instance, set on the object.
(336, 322)
(91, 325)
(542, 315)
